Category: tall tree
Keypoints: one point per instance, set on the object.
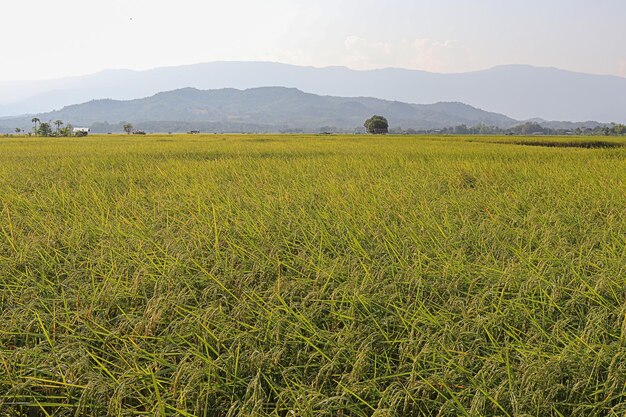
(44, 129)
(35, 120)
(128, 128)
(67, 130)
(58, 123)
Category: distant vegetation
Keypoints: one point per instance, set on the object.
(128, 128)
(524, 129)
(45, 128)
(528, 128)
(265, 275)
(376, 125)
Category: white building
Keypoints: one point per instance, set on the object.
(81, 131)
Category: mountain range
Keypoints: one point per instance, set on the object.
(519, 91)
(266, 109)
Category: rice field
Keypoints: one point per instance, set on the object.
(262, 275)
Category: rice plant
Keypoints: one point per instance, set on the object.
(242, 275)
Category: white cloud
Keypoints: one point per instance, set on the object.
(363, 54)
(441, 56)
(423, 54)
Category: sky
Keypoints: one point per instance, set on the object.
(42, 39)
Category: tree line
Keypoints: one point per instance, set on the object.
(376, 124)
(528, 128)
(46, 128)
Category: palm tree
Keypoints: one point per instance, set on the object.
(35, 121)
(58, 123)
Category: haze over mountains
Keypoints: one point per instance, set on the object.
(266, 109)
(521, 92)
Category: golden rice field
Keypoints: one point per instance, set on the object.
(243, 275)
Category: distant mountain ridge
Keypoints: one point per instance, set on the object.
(264, 109)
(519, 91)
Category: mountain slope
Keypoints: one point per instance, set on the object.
(269, 107)
(520, 91)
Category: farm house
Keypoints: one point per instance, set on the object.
(81, 131)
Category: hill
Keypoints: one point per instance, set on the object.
(261, 109)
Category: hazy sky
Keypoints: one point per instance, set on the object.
(48, 39)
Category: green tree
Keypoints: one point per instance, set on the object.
(528, 128)
(58, 123)
(18, 130)
(619, 129)
(376, 125)
(128, 128)
(35, 120)
(461, 130)
(45, 129)
(67, 130)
